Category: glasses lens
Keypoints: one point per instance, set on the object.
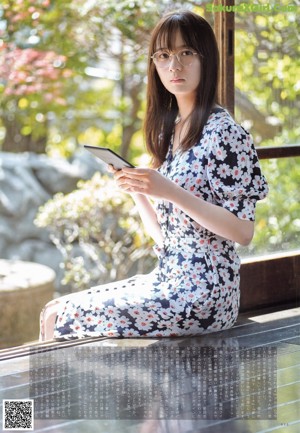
(163, 59)
(185, 57)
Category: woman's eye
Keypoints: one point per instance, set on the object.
(186, 53)
(164, 55)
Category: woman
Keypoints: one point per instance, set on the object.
(205, 182)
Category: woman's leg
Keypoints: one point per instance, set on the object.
(47, 320)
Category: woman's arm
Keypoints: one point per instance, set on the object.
(146, 211)
(214, 218)
(148, 216)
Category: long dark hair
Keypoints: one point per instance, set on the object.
(162, 108)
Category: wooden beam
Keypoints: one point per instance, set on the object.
(278, 151)
(224, 31)
(270, 280)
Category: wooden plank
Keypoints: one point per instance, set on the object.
(288, 151)
(260, 278)
(224, 31)
(273, 329)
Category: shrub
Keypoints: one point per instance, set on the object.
(99, 233)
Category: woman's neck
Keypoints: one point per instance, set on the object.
(185, 107)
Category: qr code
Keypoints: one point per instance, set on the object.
(18, 414)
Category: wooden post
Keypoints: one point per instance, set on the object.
(224, 30)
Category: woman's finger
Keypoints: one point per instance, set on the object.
(111, 169)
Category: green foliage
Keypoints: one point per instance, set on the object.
(98, 58)
(97, 66)
(99, 233)
(278, 216)
(267, 70)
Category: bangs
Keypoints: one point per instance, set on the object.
(166, 35)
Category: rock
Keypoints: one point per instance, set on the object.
(24, 290)
(27, 181)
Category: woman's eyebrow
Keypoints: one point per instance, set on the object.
(177, 48)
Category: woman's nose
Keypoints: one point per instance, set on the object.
(174, 64)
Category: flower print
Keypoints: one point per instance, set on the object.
(190, 323)
(76, 312)
(191, 296)
(221, 315)
(220, 153)
(143, 324)
(215, 292)
(76, 326)
(196, 151)
(164, 324)
(123, 321)
(236, 173)
(135, 311)
(200, 268)
(89, 319)
(210, 277)
(242, 159)
(130, 333)
(224, 274)
(111, 311)
(245, 180)
(165, 313)
(232, 205)
(223, 170)
(203, 313)
(152, 316)
(195, 168)
(257, 183)
(152, 306)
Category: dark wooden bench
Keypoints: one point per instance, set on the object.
(245, 379)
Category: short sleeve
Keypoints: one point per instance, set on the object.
(233, 170)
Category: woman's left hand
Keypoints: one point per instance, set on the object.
(144, 181)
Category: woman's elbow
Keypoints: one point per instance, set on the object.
(246, 234)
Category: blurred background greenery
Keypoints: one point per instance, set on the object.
(73, 72)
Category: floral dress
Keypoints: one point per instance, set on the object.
(195, 287)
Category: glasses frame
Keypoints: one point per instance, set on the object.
(176, 54)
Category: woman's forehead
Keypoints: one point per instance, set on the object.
(170, 40)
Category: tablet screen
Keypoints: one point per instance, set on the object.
(109, 156)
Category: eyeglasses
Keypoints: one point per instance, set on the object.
(163, 58)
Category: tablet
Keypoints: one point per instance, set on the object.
(109, 157)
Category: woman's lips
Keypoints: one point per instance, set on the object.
(177, 80)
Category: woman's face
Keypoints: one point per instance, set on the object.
(178, 79)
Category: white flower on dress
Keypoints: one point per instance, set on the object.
(89, 319)
(236, 173)
(245, 179)
(242, 159)
(143, 324)
(123, 322)
(76, 326)
(111, 311)
(190, 323)
(203, 313)
(221, 154)
(223, 170)
(129, 333)
(257, 182)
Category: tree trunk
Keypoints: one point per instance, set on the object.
(135, 124)
(15, 142)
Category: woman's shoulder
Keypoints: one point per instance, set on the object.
(221, 119)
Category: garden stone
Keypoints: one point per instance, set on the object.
(27, 181)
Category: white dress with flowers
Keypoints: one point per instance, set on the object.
(195, 287)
